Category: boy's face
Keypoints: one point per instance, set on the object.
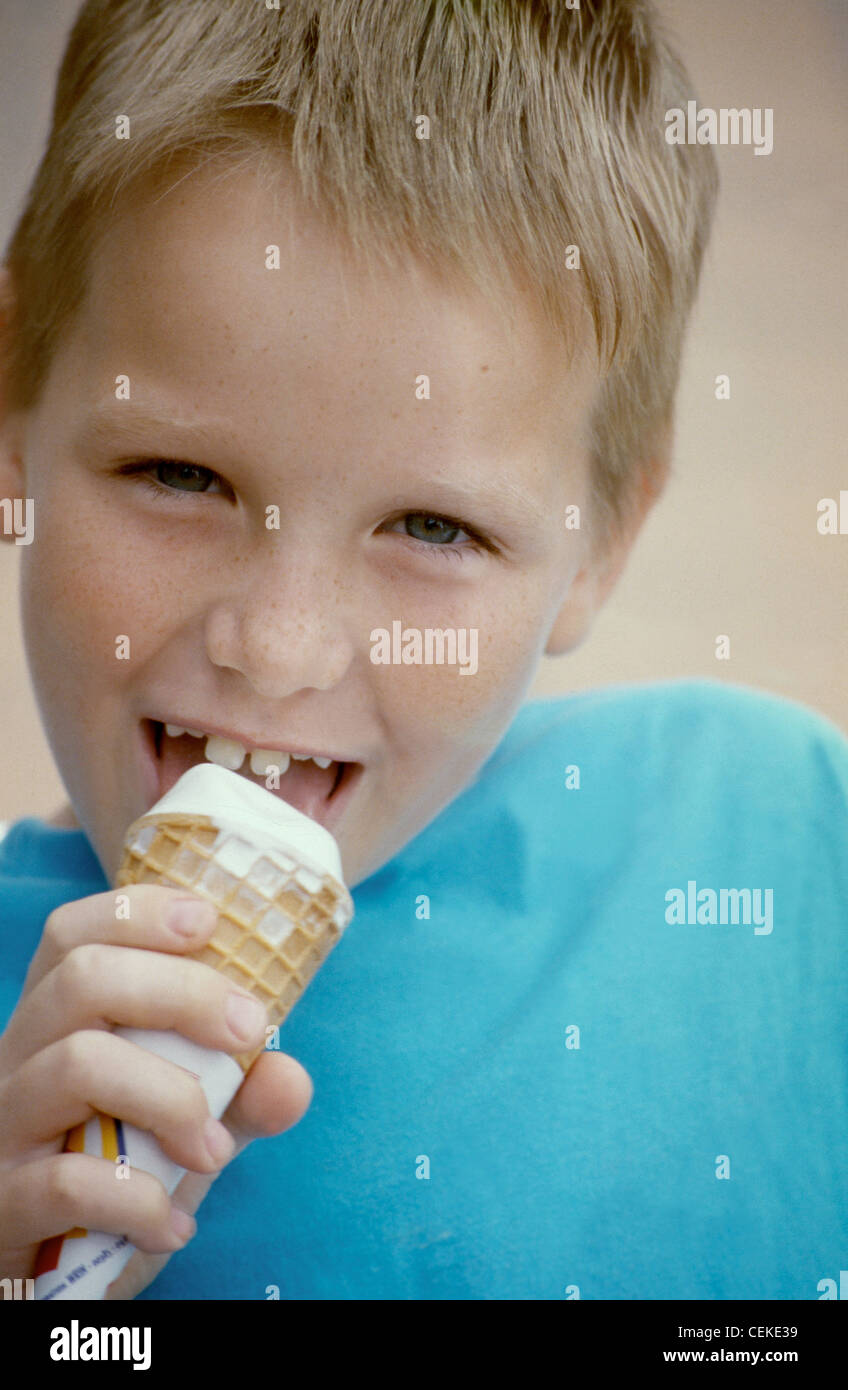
(165, 596)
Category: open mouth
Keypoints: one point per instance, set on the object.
(317, 786)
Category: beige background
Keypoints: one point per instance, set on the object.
(733, 547)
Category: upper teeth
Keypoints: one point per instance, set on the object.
(227, 753)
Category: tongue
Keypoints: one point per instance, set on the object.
(305, 785)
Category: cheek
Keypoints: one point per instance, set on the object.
(441, 704)
(81, 590)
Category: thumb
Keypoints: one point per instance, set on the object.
(275, 1094)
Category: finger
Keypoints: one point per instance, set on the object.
(274, 1096)
(52, 1195)
(141, 1269)
(146, 915)
(98, 986)
(89, 1072)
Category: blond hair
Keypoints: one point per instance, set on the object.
(546, 131)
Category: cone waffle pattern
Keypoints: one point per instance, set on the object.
(278, 918)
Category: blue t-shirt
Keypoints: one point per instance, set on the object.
(586, 1035)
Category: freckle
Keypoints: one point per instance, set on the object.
(485, 369)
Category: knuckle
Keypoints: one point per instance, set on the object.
(192, 1103)
(79, 1055)
(76, 967)
(200, 983)
(53, 934)
(156, 1204)
(82, 967)
(182, 1101)
(61, 1185)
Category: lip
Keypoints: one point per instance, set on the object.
(327, 813)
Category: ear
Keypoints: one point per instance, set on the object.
(595, 581)
(12, 481)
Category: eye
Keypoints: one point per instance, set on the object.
(182, 477)
(188, 477)
(436, 535)
(173, 475)
(431, 528)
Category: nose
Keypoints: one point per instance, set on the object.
(281, 624)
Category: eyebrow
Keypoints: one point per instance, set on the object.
(502, 500)
(105, 421)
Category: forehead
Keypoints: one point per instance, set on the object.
(185, 292)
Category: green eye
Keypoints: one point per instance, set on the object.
(432, 528)
(444, 536)
(184, 477)
(175, 476)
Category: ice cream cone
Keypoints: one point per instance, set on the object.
(279, 916)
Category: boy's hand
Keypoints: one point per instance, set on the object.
(60, 1063)
(274, 1095)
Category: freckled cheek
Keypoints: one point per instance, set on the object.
(82, 589)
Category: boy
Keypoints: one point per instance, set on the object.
(332, 321)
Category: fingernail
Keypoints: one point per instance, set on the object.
(244, 1015)
(218, 1141)
(183, 1225)
(190, 916)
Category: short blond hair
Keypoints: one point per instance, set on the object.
(547, 131)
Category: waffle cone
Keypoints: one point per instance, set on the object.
(278, 917)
